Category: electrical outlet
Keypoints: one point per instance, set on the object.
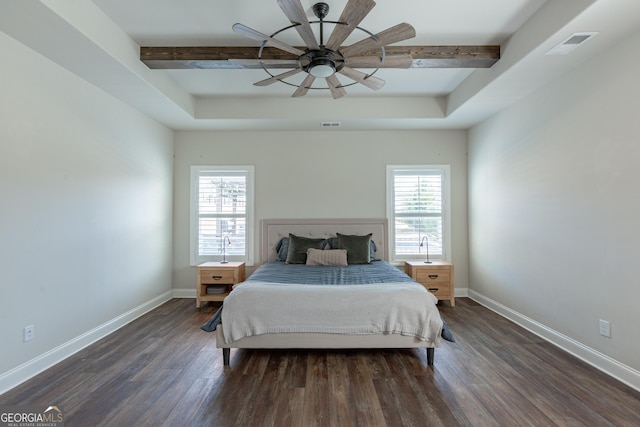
(28, 333)
(605, 328)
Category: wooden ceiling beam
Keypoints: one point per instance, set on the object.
(212, 57)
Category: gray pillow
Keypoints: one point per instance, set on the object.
(332, 243)
(298, 245)
(358, 248)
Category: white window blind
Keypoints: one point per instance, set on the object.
(417, 211)
(222, 202)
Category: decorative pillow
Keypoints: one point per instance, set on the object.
(332, 243)
(282, 248)
(372, 251)
(298, 245)
(358, 248)
(327, 257)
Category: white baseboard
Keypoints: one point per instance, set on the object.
(606, 364)
(19, 374)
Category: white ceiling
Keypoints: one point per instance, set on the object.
(99, 41)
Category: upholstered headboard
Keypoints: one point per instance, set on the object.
(275, 229)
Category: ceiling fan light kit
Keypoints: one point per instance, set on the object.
(321, 67)
(321, 62)
(325, 60)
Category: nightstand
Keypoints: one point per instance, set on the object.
(215, 280)
(437, 277)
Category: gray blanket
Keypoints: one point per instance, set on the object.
(404, 308)
(216, 319)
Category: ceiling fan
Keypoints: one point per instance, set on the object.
(322, 59)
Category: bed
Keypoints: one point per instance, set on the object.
(288, 304)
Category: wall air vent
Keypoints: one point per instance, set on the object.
(330, 124)
(575, 40)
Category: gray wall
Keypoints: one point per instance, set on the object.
(554, 212)
(324, 174)
(85, 212)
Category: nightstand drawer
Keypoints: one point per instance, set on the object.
(441, 290)
(433, 277)
(218, 276)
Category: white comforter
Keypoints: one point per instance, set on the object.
(255, 308)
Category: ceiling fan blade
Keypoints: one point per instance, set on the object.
(304, 86)
(391, 35)
(337, 91)
(352, 14)
(371, 82)
(390, 61)
(271, 80)
(263, 38)
(268, 63)
(295, 13)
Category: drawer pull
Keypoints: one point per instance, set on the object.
(433, 289)
(216, 277)
(433, 276)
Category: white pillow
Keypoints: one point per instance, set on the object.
(327, 257)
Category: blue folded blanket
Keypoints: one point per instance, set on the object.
(213, 323)
(215, 320)
(446, 332)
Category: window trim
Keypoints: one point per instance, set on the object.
(196, 171)
(445, 170)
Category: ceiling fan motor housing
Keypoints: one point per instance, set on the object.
(322, 62)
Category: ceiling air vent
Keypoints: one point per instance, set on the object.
(330, 124)
(575, 40)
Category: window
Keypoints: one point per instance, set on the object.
(221, 213)
(419, 216)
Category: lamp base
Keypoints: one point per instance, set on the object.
(428, 262)
(224, 262)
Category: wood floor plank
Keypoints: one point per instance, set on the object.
(339, 389)
(162, 369)
(296, 373)
(316, 411)
(364, 399)
(290, 407)
(186, 409)
(260, 405)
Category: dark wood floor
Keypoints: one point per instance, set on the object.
(163, 370)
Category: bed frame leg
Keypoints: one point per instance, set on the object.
(226, 353)
(430, 355)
